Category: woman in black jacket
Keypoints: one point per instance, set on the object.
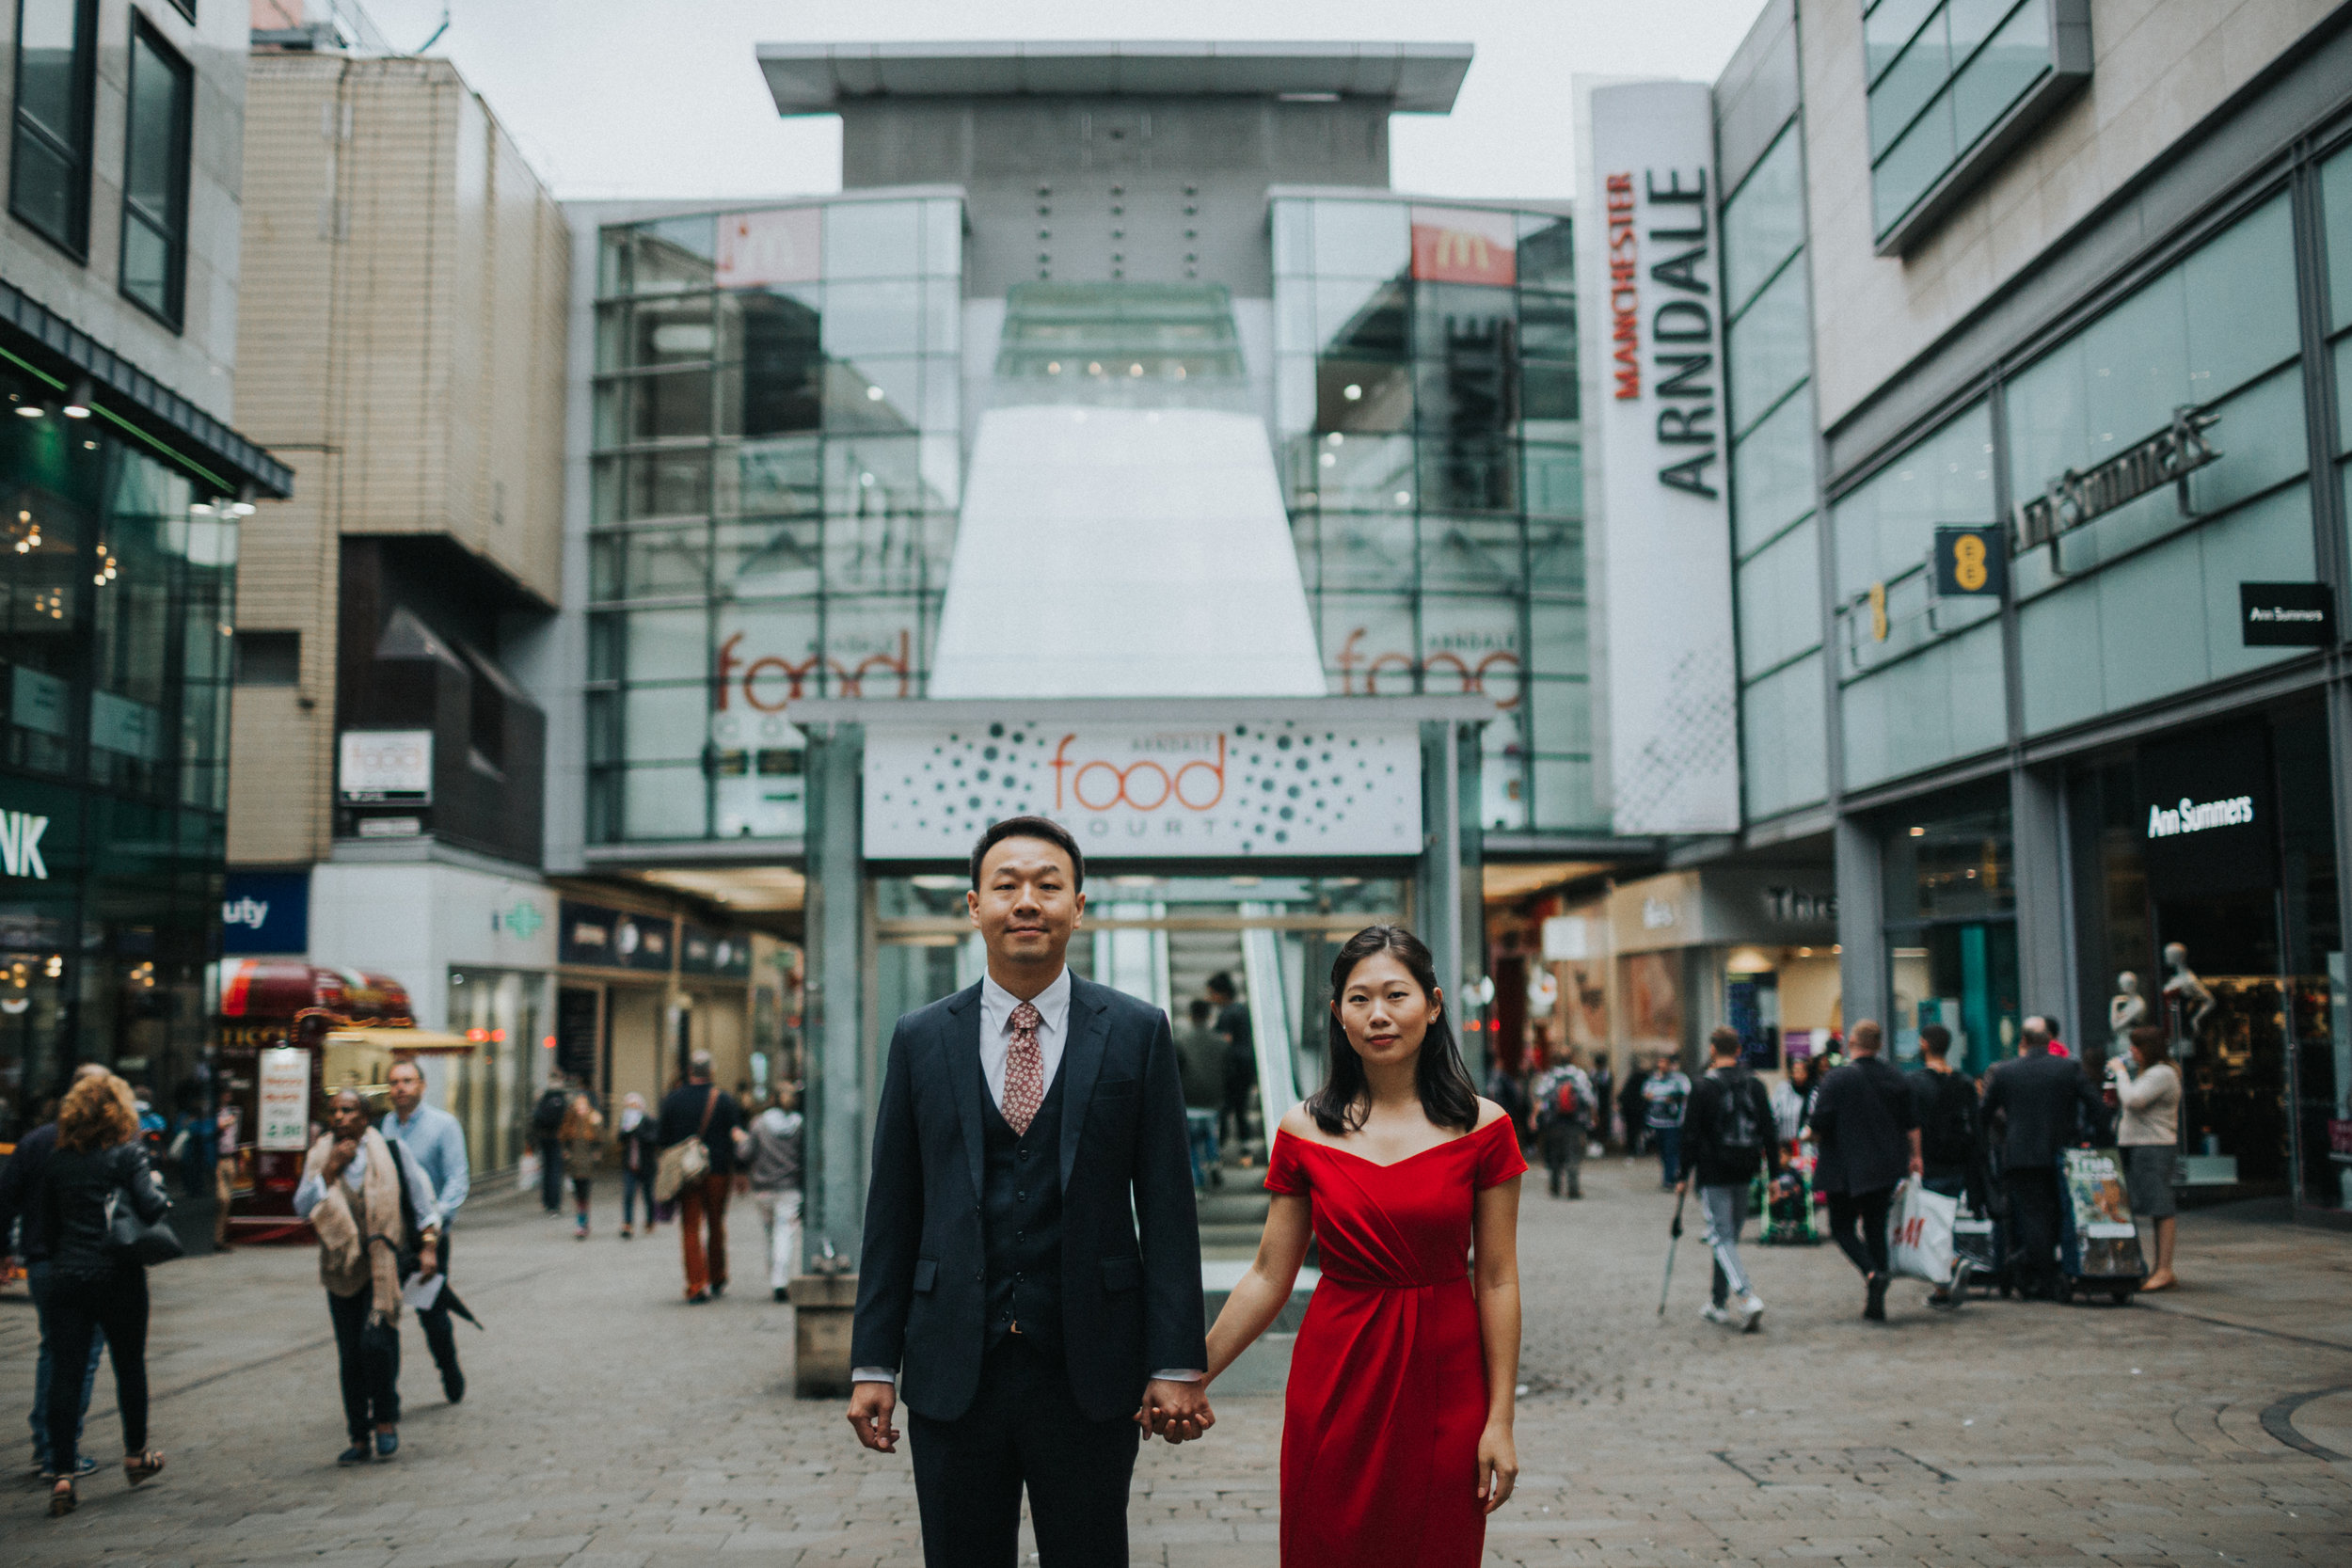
(93, 1286)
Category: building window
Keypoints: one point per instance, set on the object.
(269, 658)
(1953, 85)
(56, 57)
(155, 176)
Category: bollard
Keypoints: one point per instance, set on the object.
(823, 1306)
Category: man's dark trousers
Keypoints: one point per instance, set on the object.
(439, 1337)
(2033, 1217)
(1022, 1423)
(551, 1175)
(367, 1363)
(1864, 1213)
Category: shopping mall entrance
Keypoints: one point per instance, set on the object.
(1240, 841)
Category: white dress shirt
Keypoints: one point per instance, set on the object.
(1052, 1033)
(1052, 1030)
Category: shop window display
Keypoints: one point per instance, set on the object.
(1951, 899)
(2210, 877)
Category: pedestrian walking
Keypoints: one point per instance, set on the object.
(698, 1109)
(772, 1148)
(1631, 1108)
(641, 1154)
(226, 1126)
(1868, 1138)
(1564, 1104)
(101, 1162)
(583, 1135)
(1728, 1137)
(2038, 1101)
(438, 1140)
(1943, 1100)
(546, 1134)
(2148, 1090)
(1604, 1086)
(1662, 1096)
(20, 1190)
(368, 1200)
(1241, 1057)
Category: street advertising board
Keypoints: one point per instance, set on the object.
(1269, 787)
(1656, 485)
(285, 1101)
(2098, 1209)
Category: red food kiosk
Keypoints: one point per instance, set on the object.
(289, 1032)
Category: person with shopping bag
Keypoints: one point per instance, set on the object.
(1869, 1136)
(697, 1168)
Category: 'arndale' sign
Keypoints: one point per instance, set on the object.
(20, 845)
(2196, 816)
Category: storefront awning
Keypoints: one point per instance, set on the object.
(419, 1043)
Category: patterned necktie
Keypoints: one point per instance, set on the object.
(1025, 1070)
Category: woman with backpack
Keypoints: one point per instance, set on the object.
(100, 1169)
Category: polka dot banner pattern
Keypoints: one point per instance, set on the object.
(1274, 787)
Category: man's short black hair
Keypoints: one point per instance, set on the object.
(1935, 1040)
(1201, 1010)
(1221, 984)
(1042, 827)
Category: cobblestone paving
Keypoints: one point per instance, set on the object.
(610, 1426)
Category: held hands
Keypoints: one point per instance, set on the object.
(344, 1152)
(1498, 1466)
(1175, 1410)
(871, 1406)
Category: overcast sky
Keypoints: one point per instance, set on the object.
(661, 98)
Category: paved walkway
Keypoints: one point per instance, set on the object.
(610, 1426)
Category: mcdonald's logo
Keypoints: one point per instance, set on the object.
(1465, 245)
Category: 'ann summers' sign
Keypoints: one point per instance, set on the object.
(1655, 459)
(2167, 457)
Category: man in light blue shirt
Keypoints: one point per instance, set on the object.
(438, 1143)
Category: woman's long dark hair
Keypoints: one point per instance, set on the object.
(1447, 1097)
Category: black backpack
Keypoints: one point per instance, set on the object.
(1740, 1132)
(546, 1117)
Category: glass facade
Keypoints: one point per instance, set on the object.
(1775, 537)
(1951, 926)
(1941, 77)
(492, 1088)
(2140, 601)
(780, 428)
(116, 607)
(774, 489)
(1427, 431)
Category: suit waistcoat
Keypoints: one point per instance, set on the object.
(1021, 1212)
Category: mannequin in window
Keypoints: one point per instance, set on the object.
(2127, 1011)
(2186, 989)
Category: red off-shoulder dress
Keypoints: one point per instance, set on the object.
(1388, 1384)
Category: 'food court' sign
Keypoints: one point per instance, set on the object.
(1273, 787)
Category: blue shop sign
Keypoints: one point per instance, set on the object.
(265, 912)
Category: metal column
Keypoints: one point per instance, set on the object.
(835, 1178)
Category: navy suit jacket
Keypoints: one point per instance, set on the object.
(1128, 1306)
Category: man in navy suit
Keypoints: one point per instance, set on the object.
(1030, 1126)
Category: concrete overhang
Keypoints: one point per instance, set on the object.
(818, 78)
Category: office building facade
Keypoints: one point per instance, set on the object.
(122, 486)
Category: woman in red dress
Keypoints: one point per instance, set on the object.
(1396, 1436)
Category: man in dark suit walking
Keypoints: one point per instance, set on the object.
(2038, 1101)
(1028, 1126)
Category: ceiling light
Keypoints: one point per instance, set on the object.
(78, 404)
(1053, 367)
(202, 509)
(1134, 369)
(873, 394)
(241, 509)
(1919, 832)
(29, 410)
(1351, 391)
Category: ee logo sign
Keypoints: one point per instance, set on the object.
(1970, 562)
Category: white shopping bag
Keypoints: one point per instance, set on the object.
(527, 1176)
(1920, 1232)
